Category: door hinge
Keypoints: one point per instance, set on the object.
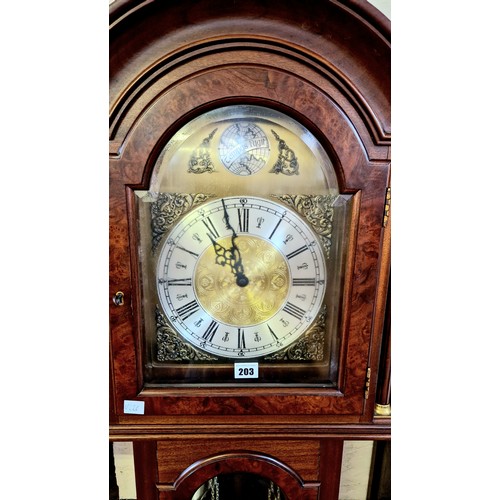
(367, 383)
(387, 206)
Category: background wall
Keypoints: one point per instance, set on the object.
(383, 5)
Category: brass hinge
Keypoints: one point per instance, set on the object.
(387, 206)
(367, 383)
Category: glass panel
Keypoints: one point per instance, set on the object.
(243, 239)
(243, 486)
(244, 150)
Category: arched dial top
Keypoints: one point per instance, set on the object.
(246, 150)
(241, 277)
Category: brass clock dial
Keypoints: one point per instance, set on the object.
(241, 277)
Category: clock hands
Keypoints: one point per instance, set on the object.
(231, 256)
(236, 263)
(237, 267)
(223, 256)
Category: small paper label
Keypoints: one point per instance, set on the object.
(134, 407)
(246, 370)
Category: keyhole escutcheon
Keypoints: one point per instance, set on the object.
(119, 299)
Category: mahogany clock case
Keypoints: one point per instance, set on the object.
(326, 66)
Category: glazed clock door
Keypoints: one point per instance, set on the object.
(240, 281)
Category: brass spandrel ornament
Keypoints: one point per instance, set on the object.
(311, 347)
(318, 211)
(171, 347)
(167, 208)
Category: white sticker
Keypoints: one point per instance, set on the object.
(134, 407)
(246, 370)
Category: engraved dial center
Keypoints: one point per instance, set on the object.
(260, 299)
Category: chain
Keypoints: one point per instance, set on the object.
(272, 493)
(213, 484)
(273, 490)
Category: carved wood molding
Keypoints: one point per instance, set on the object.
(217, 36)
(207, 48)
(380, 430)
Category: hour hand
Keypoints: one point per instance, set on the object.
(223, 256)
(237, 267)
(232, 258)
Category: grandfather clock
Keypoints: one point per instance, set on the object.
(249, 242)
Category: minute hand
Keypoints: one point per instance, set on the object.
(236, 263)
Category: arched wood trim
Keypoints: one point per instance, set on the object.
(251, 462)
(270, 49)
(347, 45)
